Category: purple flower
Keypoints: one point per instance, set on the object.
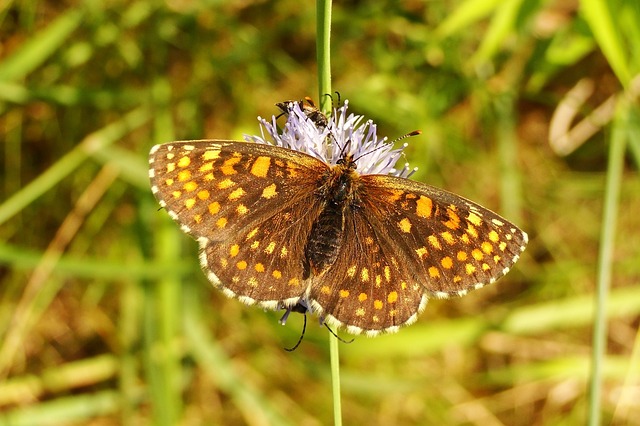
(345, 134)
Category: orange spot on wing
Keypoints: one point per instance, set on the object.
(260, 167)
(446, 262)
(424, 205)
(269, 191)
(434, 272)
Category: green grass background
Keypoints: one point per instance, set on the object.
(105, 316)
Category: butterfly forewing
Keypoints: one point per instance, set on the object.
(215, 188)
(449, 244)
(242, 202)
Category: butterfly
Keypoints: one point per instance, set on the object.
(280, 228)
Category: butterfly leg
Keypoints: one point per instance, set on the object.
(302, 307)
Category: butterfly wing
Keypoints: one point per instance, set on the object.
(241, 202)
(368, 289)
(405, 242)
(451, 244)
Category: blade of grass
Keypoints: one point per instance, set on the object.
(163, 299)
(60, 378)
(323, 54)
(605, 30)
(605, 262)
(40, 46)
(18, 258)
(464, 15)
(510, 188)
(634, 124)
(129, 331)
(559, 368)
(67, 164)
(502, 25)
(75, 409)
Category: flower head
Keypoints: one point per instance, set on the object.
(345, 134)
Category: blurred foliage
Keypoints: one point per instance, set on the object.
(105, 317)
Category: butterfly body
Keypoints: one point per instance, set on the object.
(280, 228)
(338, 192)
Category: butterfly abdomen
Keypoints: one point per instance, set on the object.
(339, 191)
(324, 240)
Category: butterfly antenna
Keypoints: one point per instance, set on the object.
(304, 328)
(344, 149)
(408, 135)
(338, 337)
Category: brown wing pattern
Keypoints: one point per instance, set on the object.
(405, 242)
(450, 244)
(369, 288)
(263, 263)
(241, 201)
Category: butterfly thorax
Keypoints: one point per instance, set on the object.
(339, 191)
(341, 184)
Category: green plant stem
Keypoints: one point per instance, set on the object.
(164, 366)
(335, 379)
(323, 48)
(605, 260)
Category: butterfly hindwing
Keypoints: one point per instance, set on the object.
(262, 264)
(369, 288)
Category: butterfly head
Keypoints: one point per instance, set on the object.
(347, 162)
(342, 180)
